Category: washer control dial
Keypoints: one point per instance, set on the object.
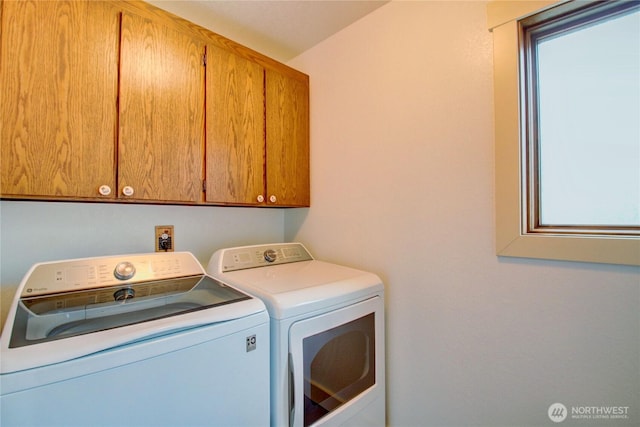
(270, 255)
(124, 270)
(124, 294)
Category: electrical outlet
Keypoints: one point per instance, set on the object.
(164, 238)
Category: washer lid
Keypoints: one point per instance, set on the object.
(68, 309)
(52, 317)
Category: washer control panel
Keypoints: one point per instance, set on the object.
(245, 257)
(89, 273)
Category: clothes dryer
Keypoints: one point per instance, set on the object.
(327, 333)
(133, 340)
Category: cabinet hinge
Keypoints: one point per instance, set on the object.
(204, 59)
(204, 185)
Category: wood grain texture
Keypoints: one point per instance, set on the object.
(59, 87)
(235, 128)
(287, 139)
(161, 128)
(113, 93)
(169, 19)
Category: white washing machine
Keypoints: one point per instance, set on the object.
(327, 333)
(133, 340)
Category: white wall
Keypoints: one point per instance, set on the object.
(402, 185)
(32, 232)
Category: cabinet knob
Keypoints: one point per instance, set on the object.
(273, 198)
(104, 190)
(127, 190)
(260, 198)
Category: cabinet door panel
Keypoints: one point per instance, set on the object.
(287, 136)
(59, 86)
(235, 128)
(161, 128)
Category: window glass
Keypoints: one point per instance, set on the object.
(588, 105)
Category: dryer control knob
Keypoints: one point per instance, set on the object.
(270, 255)
(124, 270)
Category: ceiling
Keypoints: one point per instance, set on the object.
(281, 29)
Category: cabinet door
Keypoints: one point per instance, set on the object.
(235, 128)
(287, 136)
(59, 86)
(161, 127)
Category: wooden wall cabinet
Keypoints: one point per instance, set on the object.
(257, 133)
(161, 122)
(287, 140)
(108, 101)
(59, 90)
(235, 128)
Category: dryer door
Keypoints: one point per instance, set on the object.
(337, 365)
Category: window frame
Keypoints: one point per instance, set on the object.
(514, 236)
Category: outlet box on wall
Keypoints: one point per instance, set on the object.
(164, 238)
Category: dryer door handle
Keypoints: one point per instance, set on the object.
(292, 392)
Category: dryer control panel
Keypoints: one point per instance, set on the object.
(241, 258)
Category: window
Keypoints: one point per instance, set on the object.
(567, 108)
(582, 77)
